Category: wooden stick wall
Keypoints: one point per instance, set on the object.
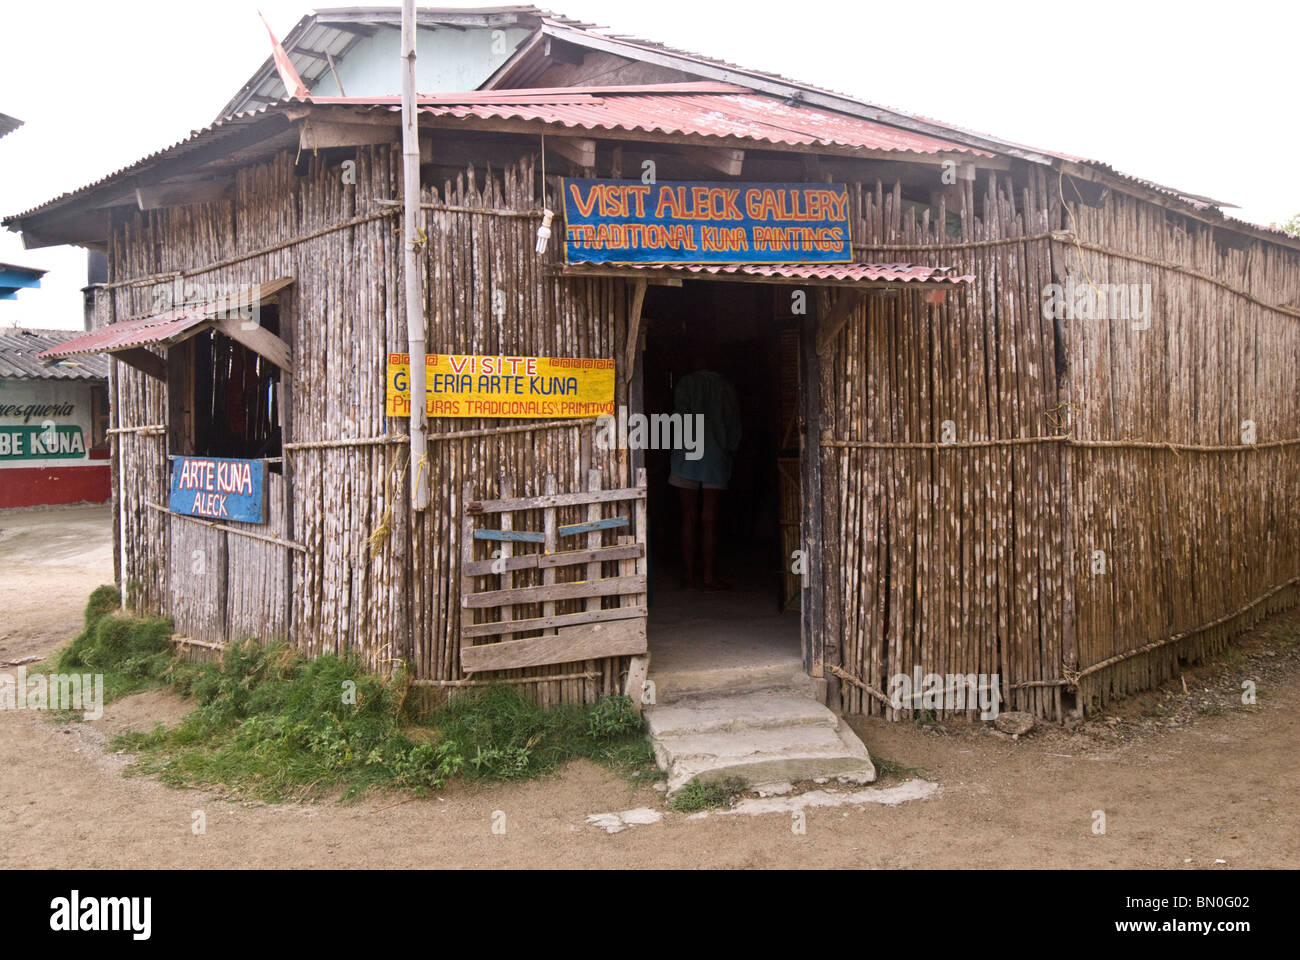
(985, 559)
(961, 560)
(393, 597)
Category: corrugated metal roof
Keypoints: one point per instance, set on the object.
(8, 124)
(127, 334)
(156, 330)
(529, 62)
(729, 111)
(680, 109)
(229, 126)
(20, 350)
(827, 273)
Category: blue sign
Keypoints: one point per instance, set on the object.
(627, 221)
(218, 489)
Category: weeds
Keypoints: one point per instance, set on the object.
(132, 654)
(888, 768)
(273, 725)
(697, 796)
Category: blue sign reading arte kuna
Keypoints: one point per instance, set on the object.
(218, 489)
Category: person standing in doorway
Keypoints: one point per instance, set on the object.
(700, 481)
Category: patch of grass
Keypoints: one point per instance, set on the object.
(276, 726)
(696, 796)
(506, 737)
(132, 654)
(888, 768)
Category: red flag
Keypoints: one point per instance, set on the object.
(293, 84)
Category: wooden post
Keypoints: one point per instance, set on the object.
(639, 666)
(507, 551)
(635, 375)
(285, 402)
(223, 587)
(115, 478)
(816, 630)
(466, 558)
(549, 546)
(411, 246)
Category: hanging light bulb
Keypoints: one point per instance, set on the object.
(544, 231)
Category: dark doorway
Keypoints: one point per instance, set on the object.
(742, 332)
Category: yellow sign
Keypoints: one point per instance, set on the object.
(473, 386)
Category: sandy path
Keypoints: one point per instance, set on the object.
(1217, 787)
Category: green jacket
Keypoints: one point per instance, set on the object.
(708, 457)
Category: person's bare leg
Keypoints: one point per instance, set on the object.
(689, 499)
(709, 536)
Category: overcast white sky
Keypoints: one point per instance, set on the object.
(1194, 95)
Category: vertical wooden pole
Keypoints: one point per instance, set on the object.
(223, 587)
(816, 630)
(115, 478)
(635, 377)
(284, 400)
(507, 550)
(593, 538)
(551, 532)
(411, 263)
(466, 556)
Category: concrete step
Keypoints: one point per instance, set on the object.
(803, 752)
(784, 675)
(704, 713)
(761, 736)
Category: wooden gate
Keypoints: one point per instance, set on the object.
(553, 579)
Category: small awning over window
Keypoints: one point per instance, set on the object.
(126, 340)
(813, 274)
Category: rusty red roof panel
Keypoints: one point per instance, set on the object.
(846, 273)
(163, 328)
(735, 114)
(131, 333)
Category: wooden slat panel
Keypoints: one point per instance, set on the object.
(565, 558)
(592, 526)
(553, 500)
(586, 642)
(512, 536)
(568, 557)
(591, 634)
(484, 568)
(548, 593)
(507, 548)
(556, 620)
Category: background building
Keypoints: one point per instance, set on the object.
(53, 423)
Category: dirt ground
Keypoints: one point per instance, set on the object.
(1186, 780)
